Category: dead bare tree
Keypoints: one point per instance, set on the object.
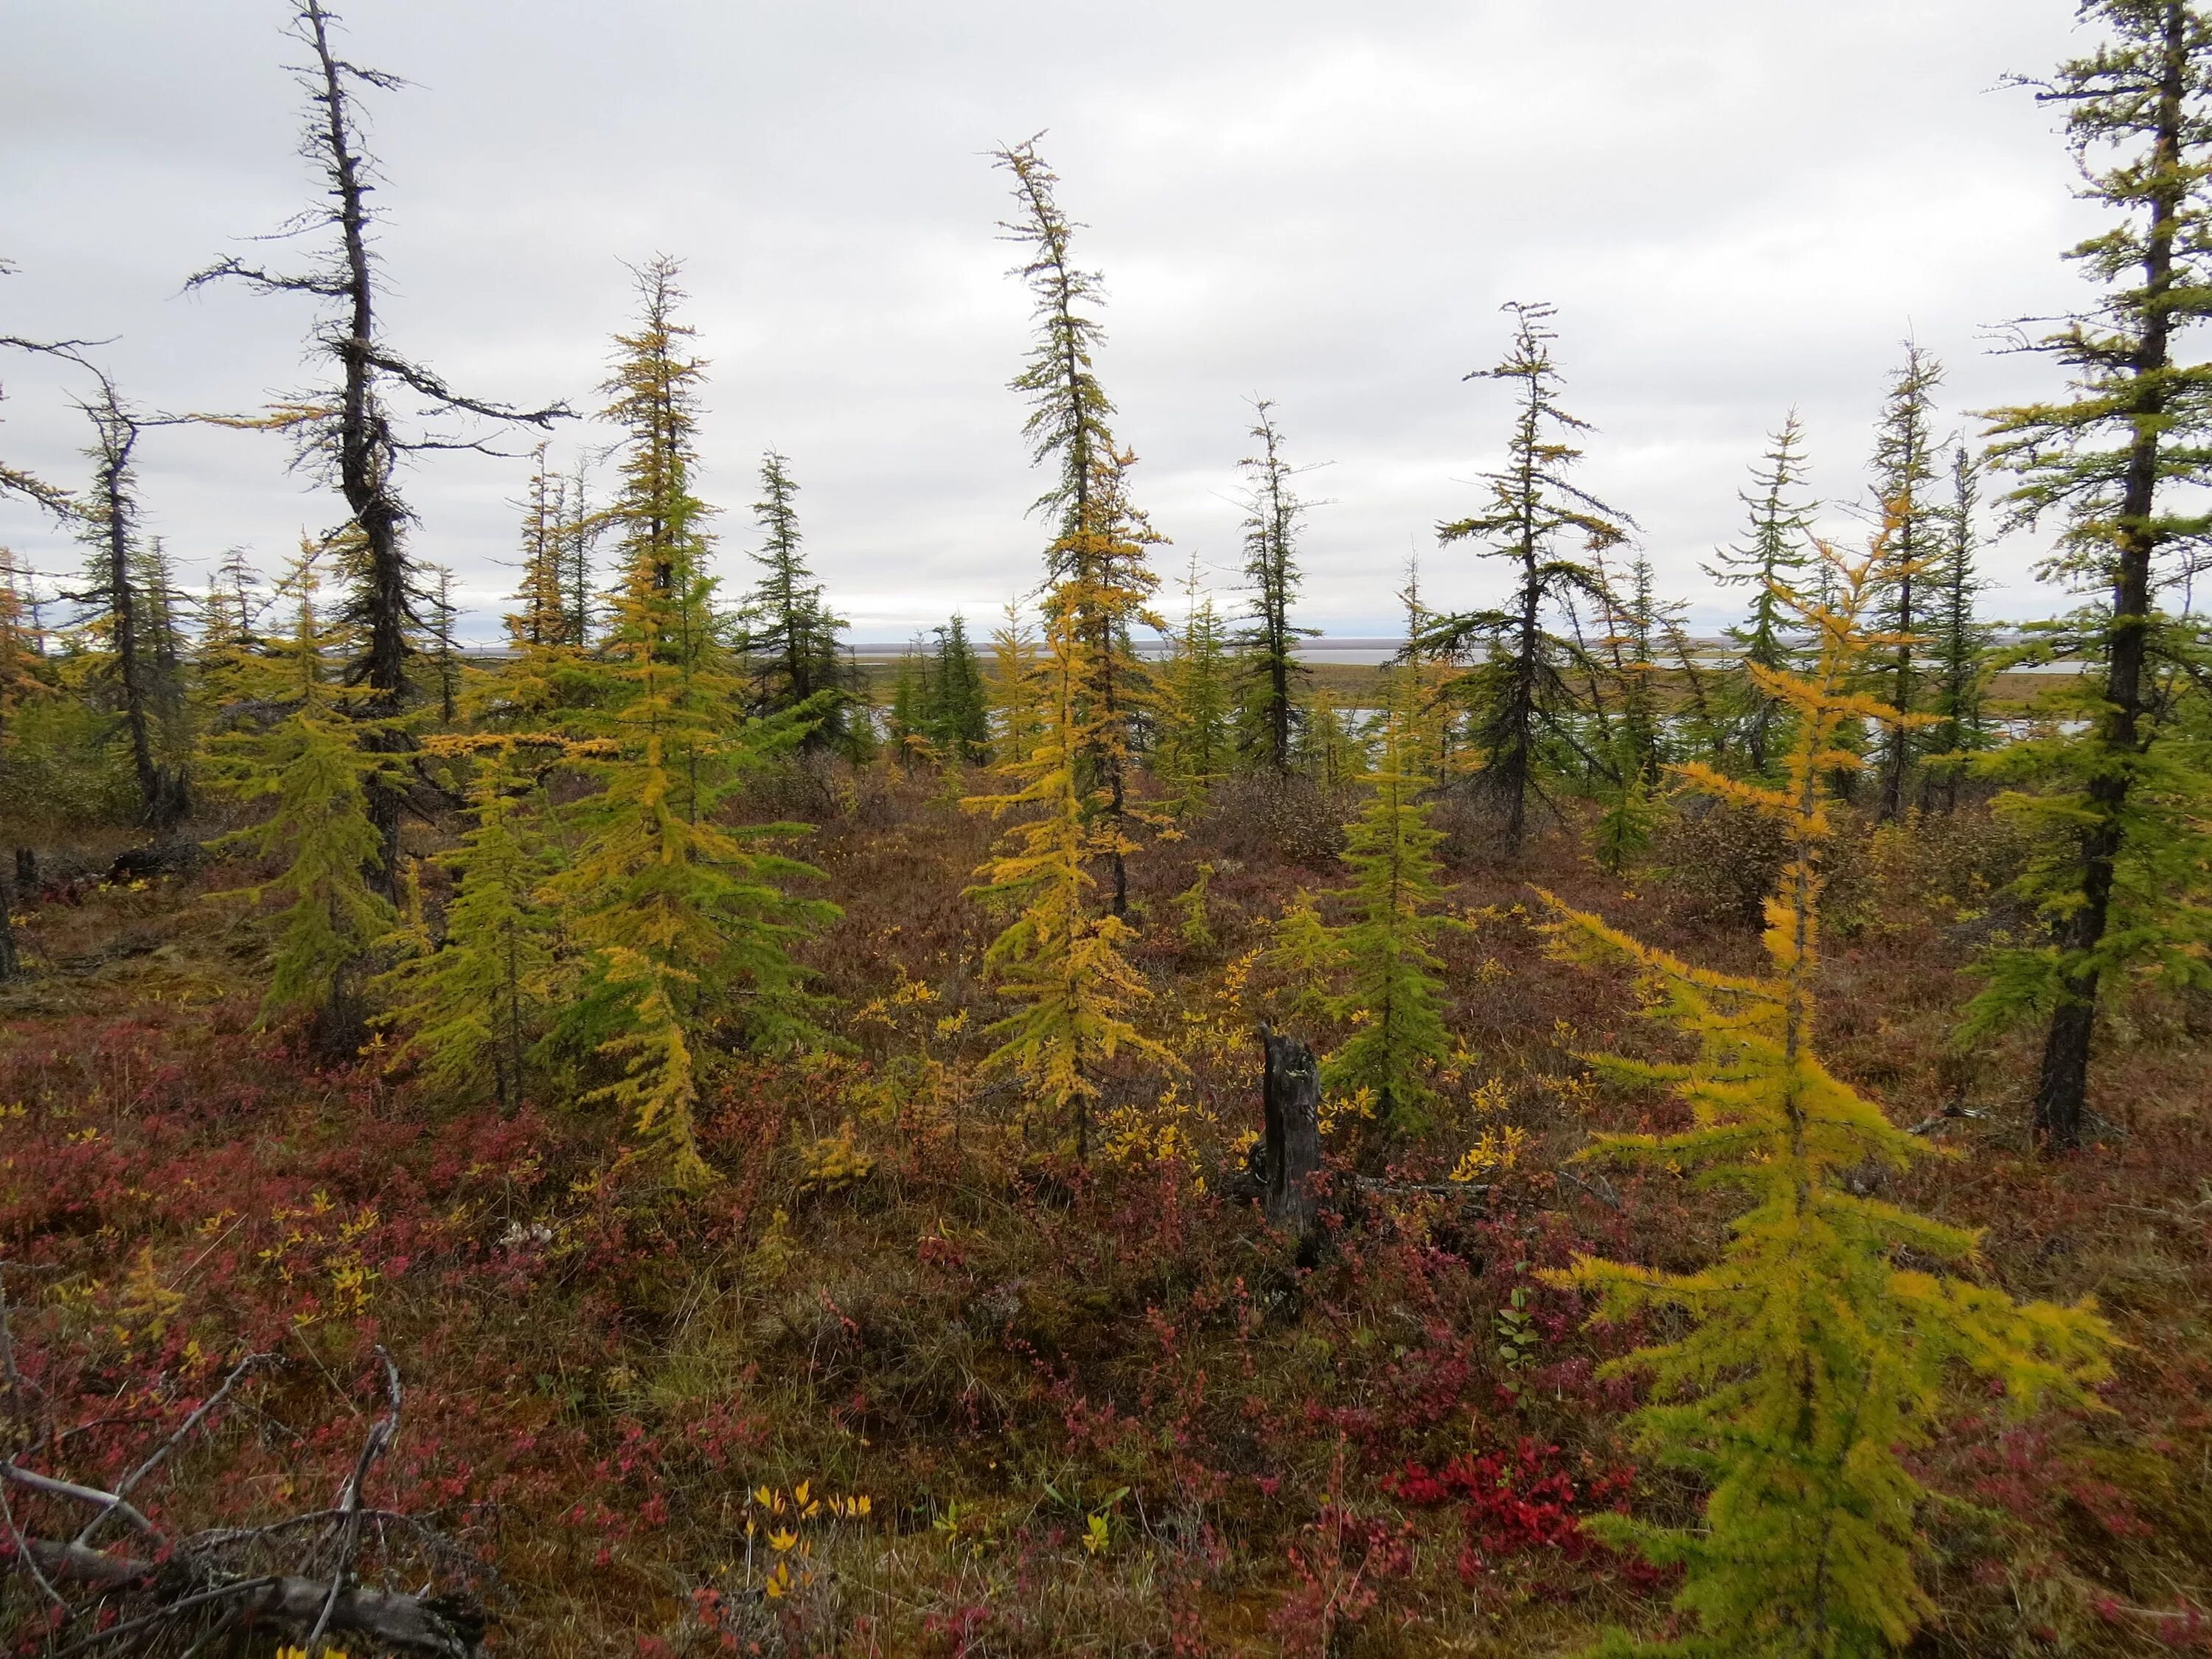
(344, 429)
(299, 1578)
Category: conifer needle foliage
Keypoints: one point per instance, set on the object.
(1818, 1346)
(1059, 957)
(685, 923)
(313, 766)
(473, 1007)
(1393, 994)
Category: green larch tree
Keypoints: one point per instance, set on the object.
(1194, 717)
(1017, 717)
(2118, 798)
(1776, 549)
(1627, 713)
(1273, 676)
(1393, 996)
(1907, 460)
(957, 713)
(1810, 1359)
(790, 633)
(1517, 689)
(1958, 644)
(472, 1008)
(548, 674)
(313, 767)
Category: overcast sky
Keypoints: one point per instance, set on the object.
(1737, 206)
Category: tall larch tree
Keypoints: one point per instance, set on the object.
(1518, 690)
(343, 428)
(1907, 461)
(1097, 564)
(1810, 1359)
(1273, 677)
(686, 926)
(1777, 547)
(2117, 804)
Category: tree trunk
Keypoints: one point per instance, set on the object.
(2063, 1088)
(1291, 1104)
(11, 962)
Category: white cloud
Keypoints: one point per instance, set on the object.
(1738, 205)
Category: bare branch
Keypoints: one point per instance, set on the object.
(349, 1501)
(423, 380)
(184, 1429)
(58, 1488)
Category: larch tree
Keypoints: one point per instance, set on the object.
(686, 926)
(22, 679)
(1273, 677)
(1795, 1375)
(343, 428)
(549, 675)
(1060, 957)
(958, 716)
(312, 767)
(1958, 644)
(1194, 716)
(1393, 996)
(1517, 689)
(539, 620)
(118, 603)
(1905, 469)
(790, 633)
(1097, 564)
(1627, 713)
(472, 1008)
(2116, 798)
(580, 526)
(1776, 547)
(1017, 716)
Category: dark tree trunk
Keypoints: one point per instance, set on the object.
(2063, 1088)
(383, 601)
(1291, 1104)
(11, 962)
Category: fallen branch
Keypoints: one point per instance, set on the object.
(445, 1626)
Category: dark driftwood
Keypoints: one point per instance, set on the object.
(443, 1627)
(1291, 1100)
(172, 1582)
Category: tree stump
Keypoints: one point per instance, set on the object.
(1291, 1100)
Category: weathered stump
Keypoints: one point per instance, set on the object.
(1291, 1100)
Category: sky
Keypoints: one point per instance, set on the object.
(1737, 206)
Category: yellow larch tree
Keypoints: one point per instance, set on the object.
(1059, 957)
(1816, 1348)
